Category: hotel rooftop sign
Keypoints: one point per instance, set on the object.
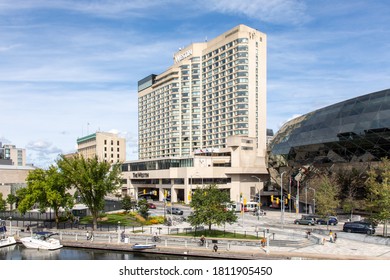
(182, 56)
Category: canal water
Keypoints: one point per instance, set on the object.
(19, 252)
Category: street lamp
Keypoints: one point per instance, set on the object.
(297, 201)
(10, 225)
(314, 200)
(119, 231)
(281, 198)
(306, 199)
(259, 200)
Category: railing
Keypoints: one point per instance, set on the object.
(163, 241)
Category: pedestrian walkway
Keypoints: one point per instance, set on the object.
(287, 241)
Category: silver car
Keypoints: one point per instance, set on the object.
(175, 211)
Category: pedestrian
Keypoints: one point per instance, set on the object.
(331, 236)
(202, 240)
(88, 235)
(92, 236)
(335, 237)
(123, 236)
(155, 237)
(215, 248)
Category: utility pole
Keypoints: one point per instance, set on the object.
(259, 200)
(281, 199)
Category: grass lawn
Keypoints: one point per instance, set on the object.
(125, 219)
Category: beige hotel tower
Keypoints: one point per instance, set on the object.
(204, 119)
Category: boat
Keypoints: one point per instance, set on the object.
(4, 239)
(143, 246)
(42, 240)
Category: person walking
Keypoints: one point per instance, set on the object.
(155, 237)
(335, 237)
(330, 236)
(202, 240)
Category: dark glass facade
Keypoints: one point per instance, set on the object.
(356, 130)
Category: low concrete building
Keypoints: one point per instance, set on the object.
(236, 169)
(106, 146)
(10, 154)
(12, 178)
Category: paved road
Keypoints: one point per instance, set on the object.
(348, 245)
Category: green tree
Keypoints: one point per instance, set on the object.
(128, 203)
(92, 179)
(378, 187)
(11, 200)
(352, 188)
(3, 203)
(143, 208)
(327, 197)
(209, 205)
(47, 189)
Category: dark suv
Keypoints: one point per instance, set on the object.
(359, 227)
(329, 221)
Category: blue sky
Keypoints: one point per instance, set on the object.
(71, 67)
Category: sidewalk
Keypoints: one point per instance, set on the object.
(344, 248)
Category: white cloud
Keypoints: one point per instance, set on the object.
(4, 140)
(43, 146)
(273, 11)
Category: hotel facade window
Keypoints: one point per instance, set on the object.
(212, 90)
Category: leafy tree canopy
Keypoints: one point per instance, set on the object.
(92, 179)
(46, 189)
(209, 205)
(378, 187)
(327, 197)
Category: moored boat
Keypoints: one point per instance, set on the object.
(4, 239)
(143, 246)
(42, 240)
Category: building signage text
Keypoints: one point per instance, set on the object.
(180, 57)
(140, 175)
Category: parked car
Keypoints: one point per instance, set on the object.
(305, 221)
(175, 211)
(369, 221)
(329, 221)
(151, 206)
(359, 227)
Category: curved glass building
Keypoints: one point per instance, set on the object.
(355, 130)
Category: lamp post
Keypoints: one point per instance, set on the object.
(306, 199)
(119, 231)
(289, 191)
(314, 200)
(281, 199)
(10, 226)
(297, 201)
(259, 200)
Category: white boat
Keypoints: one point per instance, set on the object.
(42, 240)
(143, 246)
(5, 240)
